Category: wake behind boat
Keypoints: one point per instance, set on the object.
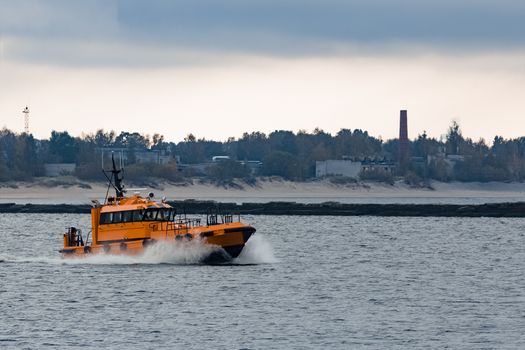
(128, 225)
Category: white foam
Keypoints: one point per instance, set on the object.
(36, 259)
(257, 251)
(191, 252)
(175, 252)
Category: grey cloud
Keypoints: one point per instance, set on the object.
(337, 20)
(91, 19)
(260, 27)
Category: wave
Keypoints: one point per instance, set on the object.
(256, 251)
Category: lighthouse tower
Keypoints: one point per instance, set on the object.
(26, 120)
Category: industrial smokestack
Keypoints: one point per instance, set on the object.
(403, 138)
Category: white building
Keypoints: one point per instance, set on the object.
(347, 168)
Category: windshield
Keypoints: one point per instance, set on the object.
(163, 214)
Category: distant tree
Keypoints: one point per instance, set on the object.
(420, 146)
(198, 151)
(478, 169)
(7, 150)
(253, 146)
(231, 148)
(321, 152)
(132, 140)
(454, 138)
(281, 140)
(279, 163)
(27, 163)
(439, 169)
(63, 147)
(19, 156)
(391, 149)
(158, 142)
(283, 153)
(102, 139)
(356, 144)
(227, 170)
(87, 152)
(190, 138)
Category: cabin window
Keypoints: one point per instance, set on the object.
(117, 217)
(164, 215)
(167, 214)
(137, 215)
(107, 218)
(104, 218)
(127, 216)
(151, 214)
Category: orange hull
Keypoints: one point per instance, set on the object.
(230, 237)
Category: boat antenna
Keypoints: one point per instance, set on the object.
(119, 188)
(117, 184)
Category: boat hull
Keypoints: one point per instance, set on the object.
(230, 237)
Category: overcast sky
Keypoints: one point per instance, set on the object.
(220, 68)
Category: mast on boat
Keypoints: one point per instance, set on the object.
(115, 179)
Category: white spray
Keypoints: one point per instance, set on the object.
(257, 251)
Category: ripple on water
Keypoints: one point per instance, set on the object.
(302, 282)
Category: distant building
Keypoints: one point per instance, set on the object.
(203, 168)
(59, 169)
(347, 168)
(152, 156)
(130, 156)
(216, 159)
(352, 168)
(378, 164)
(254, 166)
(454, 158)
(450, 161)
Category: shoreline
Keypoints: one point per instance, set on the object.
(302, 209)
(72, 191)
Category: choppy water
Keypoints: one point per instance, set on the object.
(304, 283)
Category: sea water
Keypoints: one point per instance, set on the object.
(301, 283)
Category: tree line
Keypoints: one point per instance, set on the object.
(282, 153)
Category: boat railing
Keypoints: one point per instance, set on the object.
(219, 218)
(88, 237)
(73, 237)
(179, 226)
(187, 222)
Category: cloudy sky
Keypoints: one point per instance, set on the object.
(219, 68)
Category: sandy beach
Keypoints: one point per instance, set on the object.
(75, 192)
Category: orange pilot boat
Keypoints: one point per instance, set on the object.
(127, 225)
